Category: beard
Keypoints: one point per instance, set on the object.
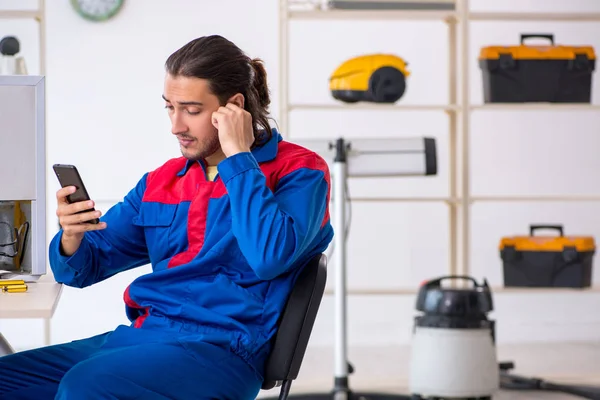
(199, 150)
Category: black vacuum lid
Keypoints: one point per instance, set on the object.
(465, 302)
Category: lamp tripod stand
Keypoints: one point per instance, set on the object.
(385, 157)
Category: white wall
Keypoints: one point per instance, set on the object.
(105, 115)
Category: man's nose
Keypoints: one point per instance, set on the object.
(177, 125)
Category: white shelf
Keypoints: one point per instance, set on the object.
(372, 15)
(544, 17)
(473, 199)
(494, 289)
(448, 200)
(372, 106)
(446, 108)
(376, 291)
(337, 14)
(580, 198)
(537, 107)
(544, 290)
(20, 14)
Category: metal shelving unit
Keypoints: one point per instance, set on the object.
(458, 110)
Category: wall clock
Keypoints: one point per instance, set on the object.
(97, 10)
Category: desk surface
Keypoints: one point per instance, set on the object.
(39, 301)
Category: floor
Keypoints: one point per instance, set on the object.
(385, 370)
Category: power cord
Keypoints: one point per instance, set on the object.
(516, 382)
(19, 242)
(12, 243)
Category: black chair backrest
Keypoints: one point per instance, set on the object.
(296, 324)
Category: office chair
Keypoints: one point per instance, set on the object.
(295, 327)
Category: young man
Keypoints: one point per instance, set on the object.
(227, 227)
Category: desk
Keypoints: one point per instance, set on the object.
(39, 301)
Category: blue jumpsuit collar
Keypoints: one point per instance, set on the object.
(264, 153)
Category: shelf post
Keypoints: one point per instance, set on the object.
(465, 204)
(452, 143)
(283, 68)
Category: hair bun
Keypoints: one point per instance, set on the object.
(260, 82)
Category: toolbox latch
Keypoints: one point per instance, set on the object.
(510, 254)
(569, 254)
(581, 62)
(506, 61)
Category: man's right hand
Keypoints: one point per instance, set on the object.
(74, 223)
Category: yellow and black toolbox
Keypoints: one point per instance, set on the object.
(540, 73)
(547, 261)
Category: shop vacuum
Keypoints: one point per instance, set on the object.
(454, 351)
(453, 354)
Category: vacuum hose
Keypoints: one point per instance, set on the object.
(515, 382)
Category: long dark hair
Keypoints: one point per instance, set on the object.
(229, 71)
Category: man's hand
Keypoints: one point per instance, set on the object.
(235, 129)
(73, 221)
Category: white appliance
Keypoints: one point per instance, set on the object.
(453, 352)
(23, 177)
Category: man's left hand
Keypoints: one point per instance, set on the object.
(235, 129)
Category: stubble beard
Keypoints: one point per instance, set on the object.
(207, 148)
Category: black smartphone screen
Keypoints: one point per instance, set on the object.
(69, 176)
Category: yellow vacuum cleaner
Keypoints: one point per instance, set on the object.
(376, 78)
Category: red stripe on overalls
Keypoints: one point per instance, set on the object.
(291, 158)
(164, 186)
(196, 225)
(131, 303)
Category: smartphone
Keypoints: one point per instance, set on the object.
(69, 176)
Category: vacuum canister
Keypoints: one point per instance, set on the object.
(453, 352)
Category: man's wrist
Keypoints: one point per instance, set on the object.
(236, 164)
(69, 244)
(233, 152)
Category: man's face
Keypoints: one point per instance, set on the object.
(190, 105)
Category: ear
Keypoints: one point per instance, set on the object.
(237, 99)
